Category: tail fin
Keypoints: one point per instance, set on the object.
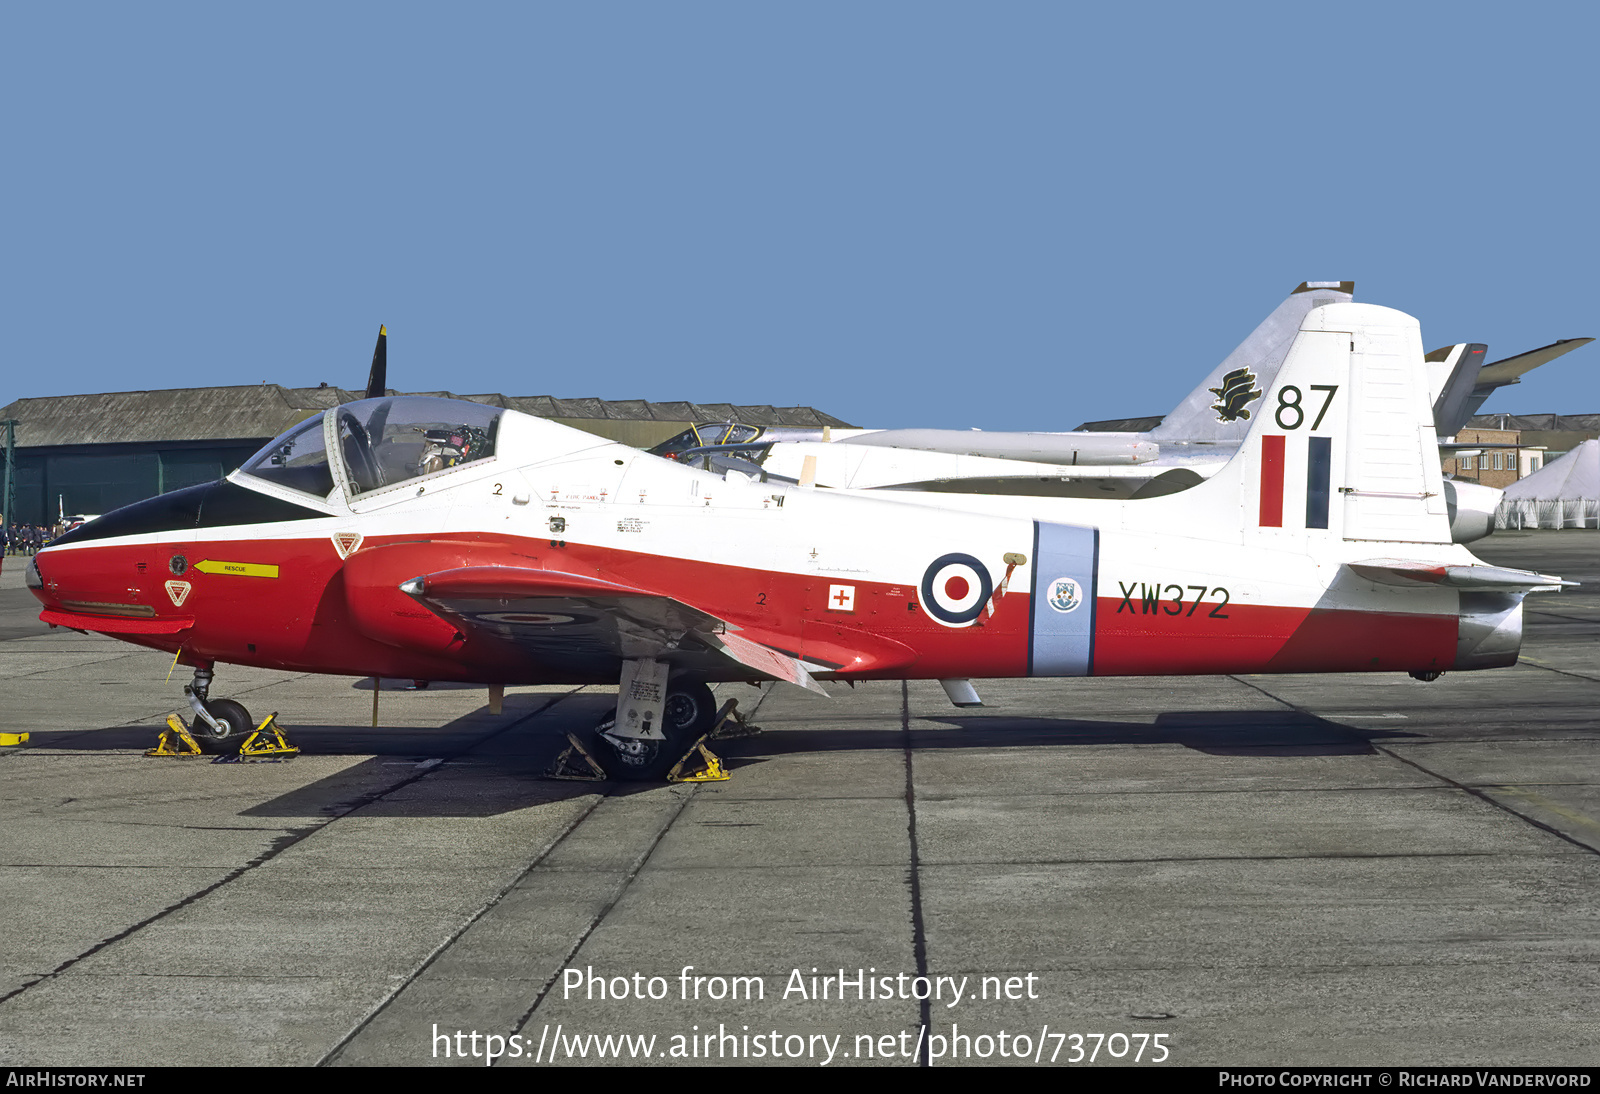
(1342, 444)
(1452, 375)
(1219, 409)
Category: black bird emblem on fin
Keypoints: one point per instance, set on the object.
(1238, 388)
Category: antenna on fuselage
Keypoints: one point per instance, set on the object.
(378, 376)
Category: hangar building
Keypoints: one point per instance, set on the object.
(89, 454)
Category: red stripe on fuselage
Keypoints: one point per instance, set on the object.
(1271, 481)
(1258, 638)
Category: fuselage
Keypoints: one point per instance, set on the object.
(855, 585)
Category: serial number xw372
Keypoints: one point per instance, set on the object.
(1159, 599)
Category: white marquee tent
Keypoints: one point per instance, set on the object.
(1563, 494)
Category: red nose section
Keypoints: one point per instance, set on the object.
(121, 590)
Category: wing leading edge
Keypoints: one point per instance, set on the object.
(590, 624)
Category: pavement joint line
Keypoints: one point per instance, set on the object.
(1562, 615)
(1488, 799)
(450, 940)
(282, 843)
(1090, 792)
(81, 665)
(535, 865)
(919, 938)
(616, 896)
(1563, 672)
(813, 867)
(108, 866)
(1309, 856)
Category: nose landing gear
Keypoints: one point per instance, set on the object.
(222, 728)
(220, 725)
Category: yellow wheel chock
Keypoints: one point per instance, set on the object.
(730, 724)
(267, 742)
(13, 739)
(175, 741)
(709, 769)
(567, 765)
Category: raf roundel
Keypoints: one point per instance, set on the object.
(955, 588)
(1065, 594)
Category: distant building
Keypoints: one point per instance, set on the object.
(1494, 466)
(94, 453)
(1537, 440)
(1555, 433)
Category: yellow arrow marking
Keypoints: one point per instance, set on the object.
(238, 569)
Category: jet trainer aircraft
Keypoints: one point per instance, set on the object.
(446, 540)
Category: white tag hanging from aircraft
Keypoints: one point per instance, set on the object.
(641, 698)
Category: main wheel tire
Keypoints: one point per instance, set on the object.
(689, 711)
(233, 716)
(686, 716)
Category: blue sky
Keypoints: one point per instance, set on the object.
(1002, 215)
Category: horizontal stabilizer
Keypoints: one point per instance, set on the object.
(1394, 571)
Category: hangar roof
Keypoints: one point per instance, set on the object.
(261, 411)
(1575, 422)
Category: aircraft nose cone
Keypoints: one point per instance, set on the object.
(122, 581)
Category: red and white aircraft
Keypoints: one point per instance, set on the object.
(446, 540)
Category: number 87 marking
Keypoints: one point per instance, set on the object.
(1286, 405)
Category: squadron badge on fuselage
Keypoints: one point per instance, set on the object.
(1238, 388)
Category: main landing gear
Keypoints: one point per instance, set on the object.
(687, 714)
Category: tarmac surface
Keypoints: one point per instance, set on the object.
(1253, 870)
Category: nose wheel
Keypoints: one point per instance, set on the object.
(235, 727)
(220, 725)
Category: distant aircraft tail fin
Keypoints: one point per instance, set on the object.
(1221, 409)
(1452, 375)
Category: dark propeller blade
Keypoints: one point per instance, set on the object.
(378, 378)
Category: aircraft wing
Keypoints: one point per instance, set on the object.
(585, 624)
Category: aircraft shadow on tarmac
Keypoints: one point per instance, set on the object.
(1216, 733)
(498, 763)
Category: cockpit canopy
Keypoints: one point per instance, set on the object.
(381, 442)
(296, 458)
(698, 436)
